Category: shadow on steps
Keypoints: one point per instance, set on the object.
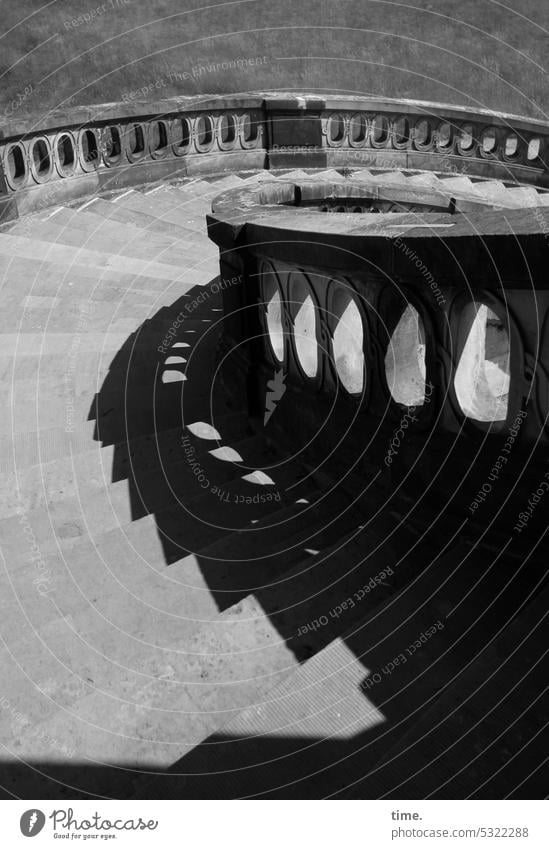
(161, 388)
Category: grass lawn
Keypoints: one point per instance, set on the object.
(472, 52)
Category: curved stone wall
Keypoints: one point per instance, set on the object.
(77, 153)
(66, 162)
(456, 142)
(432, 317)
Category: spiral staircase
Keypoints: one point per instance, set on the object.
(163, 637)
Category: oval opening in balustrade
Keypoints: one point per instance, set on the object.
(159, 136)
(444, 135)
(380, 129)
(65, 152)
(336, 128)
(204, 130)
(113, 144)
(41, 157)
(358, 127)
(273, 311)
(89, 146)
(488, 140)
(534, 146)
(482, 377)
(304, 329)
(422, 132)
(405, 367)
(511, 145)
(16, 164)
(181, 135)
(227, 129)
(136, 139)
(401, 130)
(249, 129)
(348, 342)
(466, 139)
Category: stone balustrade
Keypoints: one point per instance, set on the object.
(441, 317)
(78, 152)
(41, 168)
(437, 139)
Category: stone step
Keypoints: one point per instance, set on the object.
(75, 509)
(44, 278)
(80, 230)
(158, 694)
(295, 174)
(191, 188)
(145, 220)
(330, 175)
(120, 417)
(522, 196)
(457, 185)
(66, 256)
(178, 197)
(386, 178)
(90, 219)
(259, 177)
(543, 199)
(310, 607)
(468, 737)
(427, 180)
(493, 190)
(368, 676)
(124, 700)
(63, 312)
(89, 654)
(222, 184)
(253, 556)
(189, 214)
(34, 486)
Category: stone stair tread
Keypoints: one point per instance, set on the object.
(491, 189)
(120, 561)
(66, 256)
(481, 704)
(190, 213)
(42, 277)
(523, 196)
(143, 218)
(331, 175)
(260, 177)
(457, 185)
(221, 184)
(427, 179)
(193, 188)
(295, 174)
(200, 696)
(388, 178)
(92, 463)
(151, 713)
(312, 720)
(60, 312)
(87, 221)
(158, 476)
(119, 245)
(170, 198)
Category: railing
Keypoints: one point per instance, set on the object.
(436, 137)
(79, 152)
(440, 320)
(41, 167)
